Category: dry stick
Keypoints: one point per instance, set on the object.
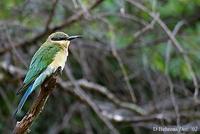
(174, 42)
(86, 122)
(171, 86)
(145, 29)
(124, 72)
(75, 3)
(124, 16)
(38, 105)
(71, 20)
(84, 8)
(86, 85)
(14, 50)
(119, 60)
(168, 116)
(13, 70)
(50, 18)
(109, 95)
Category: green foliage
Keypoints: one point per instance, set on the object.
(176, 8)
(111, 6)
(6, 6)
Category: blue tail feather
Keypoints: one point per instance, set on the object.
(24, 98)
(33, 87)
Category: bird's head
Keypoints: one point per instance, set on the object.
(61, 38)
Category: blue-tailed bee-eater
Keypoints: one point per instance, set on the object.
(49, 57)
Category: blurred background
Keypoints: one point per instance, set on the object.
(136, 69)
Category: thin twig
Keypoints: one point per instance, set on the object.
(84, 116)
(143, 30)
(123, 16)
(119, 60)
(50, 18)
(13, 70)
(171, 86)
(14, 50)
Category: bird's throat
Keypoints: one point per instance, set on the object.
(64, 44)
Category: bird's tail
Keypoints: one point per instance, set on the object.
(24, 98)
(33, 87)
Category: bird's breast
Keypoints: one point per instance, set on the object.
(59, 59)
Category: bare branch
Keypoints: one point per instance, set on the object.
(50, 18)
(84, 84)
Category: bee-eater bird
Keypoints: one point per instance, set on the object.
(49, 57)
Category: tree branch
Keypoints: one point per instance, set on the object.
(51, 15)
(84, 84)
(38, 105)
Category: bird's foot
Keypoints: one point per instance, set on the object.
(59, 70)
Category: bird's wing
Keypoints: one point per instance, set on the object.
(42, 58)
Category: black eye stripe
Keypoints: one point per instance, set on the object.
(58, 38)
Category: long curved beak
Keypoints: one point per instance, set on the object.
(73, 37)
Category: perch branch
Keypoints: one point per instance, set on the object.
(38, 105)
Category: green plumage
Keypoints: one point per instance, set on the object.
(40, 61)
